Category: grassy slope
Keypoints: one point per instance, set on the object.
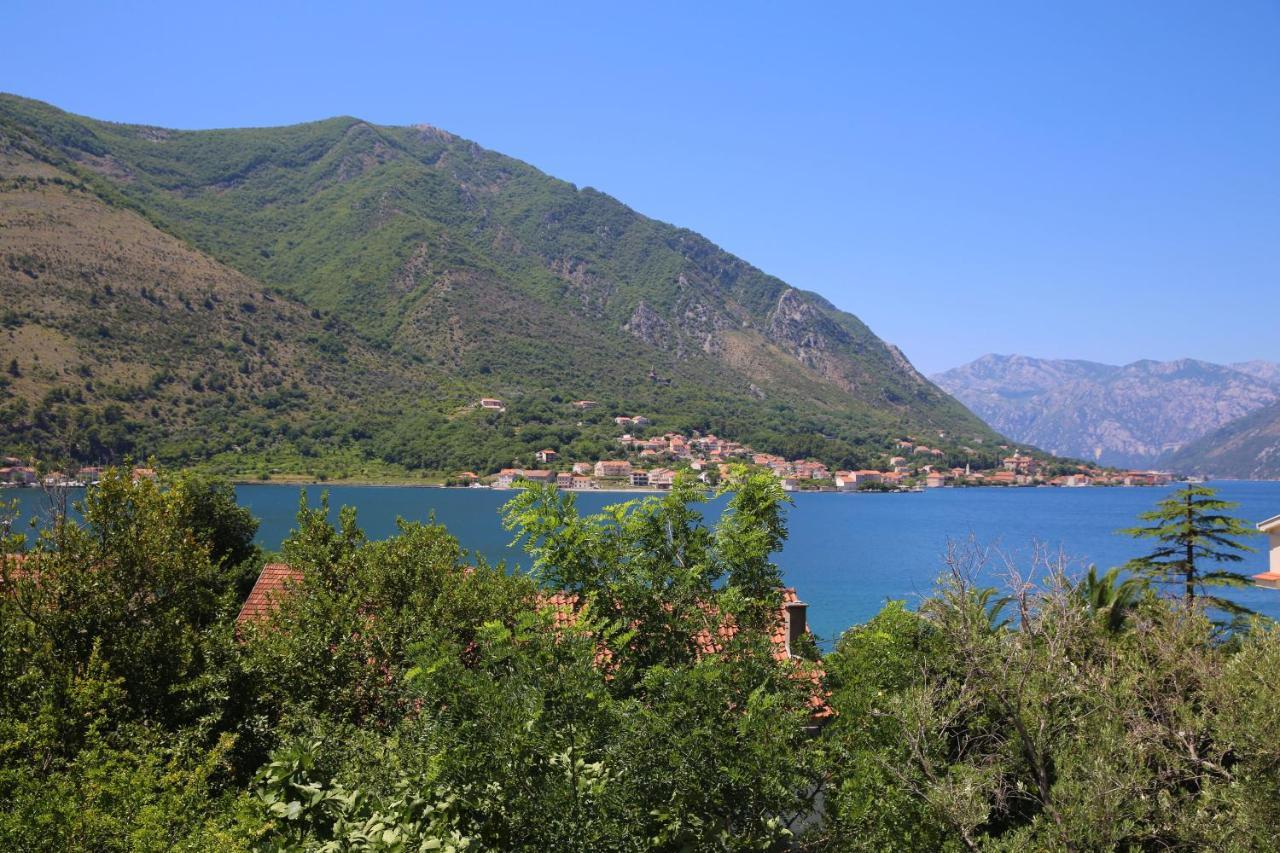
(479, 274)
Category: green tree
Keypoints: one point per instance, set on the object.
(1109, 597)
(871, 803)
(634, 710)
(1051, 732)
(115, 650)
(1192, 529)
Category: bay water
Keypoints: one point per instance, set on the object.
(847, 553)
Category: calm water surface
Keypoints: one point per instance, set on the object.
(847, 554)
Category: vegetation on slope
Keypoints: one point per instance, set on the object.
(463, 273)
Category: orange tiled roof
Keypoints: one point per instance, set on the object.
(564, 609)
(14, 564)
(274, 581)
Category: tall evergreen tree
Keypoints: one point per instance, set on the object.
(1193, 529)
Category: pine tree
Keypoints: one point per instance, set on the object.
(1192, 529)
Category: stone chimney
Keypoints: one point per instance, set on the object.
(797, 622)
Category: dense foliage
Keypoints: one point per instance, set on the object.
(403, 695)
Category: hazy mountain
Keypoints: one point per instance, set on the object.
(1247, 448)
(1134, 415)
(370, 282)
(1267, 371)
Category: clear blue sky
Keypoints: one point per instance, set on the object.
(1087, 179)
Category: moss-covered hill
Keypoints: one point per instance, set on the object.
(338, 288)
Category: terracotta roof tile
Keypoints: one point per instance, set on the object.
(274, 581)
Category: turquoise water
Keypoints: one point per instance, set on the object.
(847, 554)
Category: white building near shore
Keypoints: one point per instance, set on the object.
(1271, 577)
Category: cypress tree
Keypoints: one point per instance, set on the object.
(1192, 529)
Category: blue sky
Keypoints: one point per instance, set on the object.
(1087, 180)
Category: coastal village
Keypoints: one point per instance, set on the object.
(15, 472)
(651, 463)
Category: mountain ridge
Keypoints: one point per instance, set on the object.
(1132, 415)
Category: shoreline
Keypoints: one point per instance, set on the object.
(395, 484)
(302, 481)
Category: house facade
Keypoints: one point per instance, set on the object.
(1271, 577)
(662, 478)
(613, 468)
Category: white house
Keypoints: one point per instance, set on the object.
(1271, 577)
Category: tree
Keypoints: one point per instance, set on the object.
(208, 508)
(14, 370)
(114, 646)
(1053, 731)
(619, 716)
(656, 564)
(1192, 528)
(1111, 599)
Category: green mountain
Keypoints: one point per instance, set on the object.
(370, 283)
(1247, 448)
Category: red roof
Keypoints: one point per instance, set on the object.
(13, 563)
(276, 578)
(564, 608)
(274, 581)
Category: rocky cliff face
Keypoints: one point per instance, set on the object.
(1134, 415)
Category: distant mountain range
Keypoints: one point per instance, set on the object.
(1135, 415)
(341, 288)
